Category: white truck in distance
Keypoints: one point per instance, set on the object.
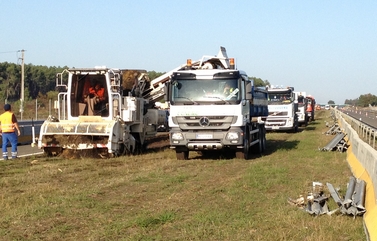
(282, 108)
(213, 107)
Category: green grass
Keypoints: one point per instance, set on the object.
(155, 197)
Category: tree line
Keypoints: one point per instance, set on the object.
(363, 101)
(40, 82)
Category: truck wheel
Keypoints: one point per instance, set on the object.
(244, 153)
(182, 155)
(295, 128)
(257, 148)
(262, 138)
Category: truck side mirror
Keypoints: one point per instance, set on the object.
(249, 90)
(295, 105)
(166, 90)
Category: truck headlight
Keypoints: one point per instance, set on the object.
(177, 136)
(232, 136)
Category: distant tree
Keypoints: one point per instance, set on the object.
(366, 100)
(331, 102)
(38, 79)
(259, 82)
(351, 102)
(153, 74)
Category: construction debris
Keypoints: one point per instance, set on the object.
(334, 127)
(316, 201)
(337, 143)
(354, 200)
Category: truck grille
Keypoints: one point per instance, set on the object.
(276, 113)
(208, 122)
(275, 122)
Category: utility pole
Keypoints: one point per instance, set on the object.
(22, 84)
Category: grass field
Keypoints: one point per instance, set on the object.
(155, 197)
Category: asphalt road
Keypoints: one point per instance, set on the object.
(25, 150)
(367, 117)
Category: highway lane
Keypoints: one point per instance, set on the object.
(367, 117)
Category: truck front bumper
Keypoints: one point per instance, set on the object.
(206, 140)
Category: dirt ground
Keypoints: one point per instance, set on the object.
(160, 141)
(156, 143)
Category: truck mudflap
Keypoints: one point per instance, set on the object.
(79, 135)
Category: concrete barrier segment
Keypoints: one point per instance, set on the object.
(360, 172)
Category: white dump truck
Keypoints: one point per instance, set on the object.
(215, 107)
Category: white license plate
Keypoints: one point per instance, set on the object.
(275, 127)
(204, 136)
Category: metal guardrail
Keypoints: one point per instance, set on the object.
(337, 143)
(365, 131)
(353, 203)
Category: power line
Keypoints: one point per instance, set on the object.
(7, 52)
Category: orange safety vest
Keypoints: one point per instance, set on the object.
(6, 120)
(100, 92)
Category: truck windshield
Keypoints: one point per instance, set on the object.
(196, 92)
(279, 98)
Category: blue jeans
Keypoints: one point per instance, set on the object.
(13, 139)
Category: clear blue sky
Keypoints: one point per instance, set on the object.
(326, 48)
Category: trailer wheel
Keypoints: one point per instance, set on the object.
(182, 155)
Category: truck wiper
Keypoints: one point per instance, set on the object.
(187, 98)
(216, 97)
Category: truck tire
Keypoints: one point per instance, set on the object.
(258, 148)
(262, 138)
(295, 127)
(244, 153)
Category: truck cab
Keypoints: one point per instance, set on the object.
(282, 107)
(215, 107)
